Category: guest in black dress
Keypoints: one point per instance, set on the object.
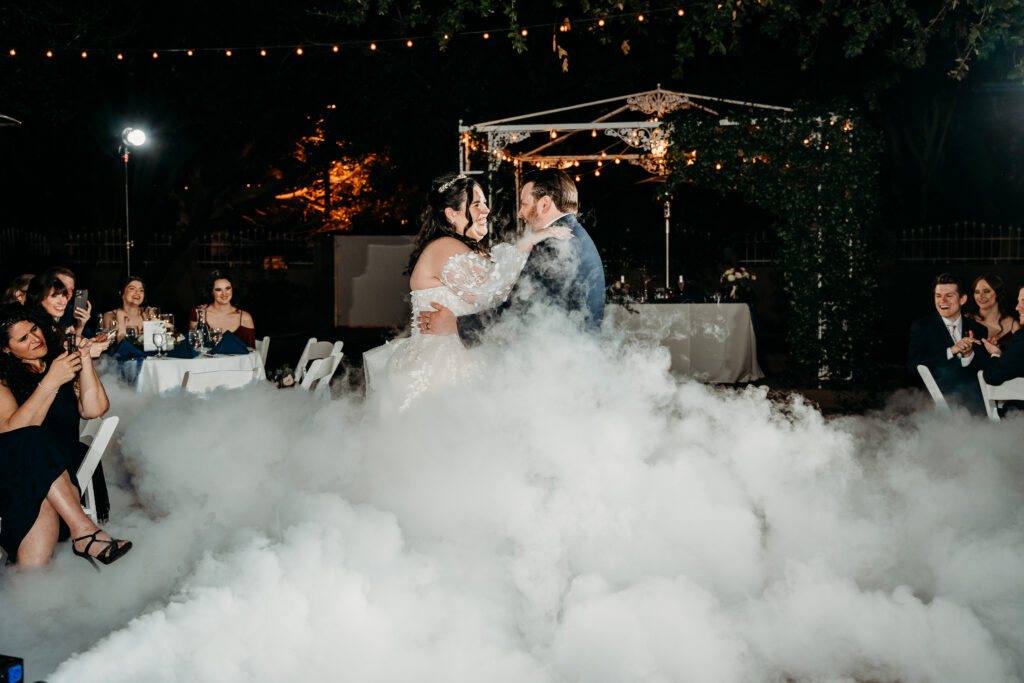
(1008, 359)
(44, 390)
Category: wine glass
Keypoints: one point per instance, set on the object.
(168, 319)
(160, 341)
(216, 334)
(130, 333)
(195, 338)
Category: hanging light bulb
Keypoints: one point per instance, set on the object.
(263, 53)
(189, 53)
(120, 56)
(373, 46)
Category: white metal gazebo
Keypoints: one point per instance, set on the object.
(629, 129)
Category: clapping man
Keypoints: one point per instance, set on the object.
(950, 345)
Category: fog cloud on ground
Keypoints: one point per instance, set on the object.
(576, 515)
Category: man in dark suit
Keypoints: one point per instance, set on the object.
(565, 274)
(950, 345)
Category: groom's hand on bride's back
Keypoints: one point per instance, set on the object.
(439, 321)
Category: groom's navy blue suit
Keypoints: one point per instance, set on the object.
(566, 274)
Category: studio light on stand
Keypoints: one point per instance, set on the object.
(130, 138)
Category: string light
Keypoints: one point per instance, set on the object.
(577, 179)
(618, 161)
(593, 133)
(564, 26)
(597, 172)
(13, 52)
(554, 135)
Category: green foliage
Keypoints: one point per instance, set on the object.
(816, 172)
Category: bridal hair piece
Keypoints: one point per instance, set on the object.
(444, 188)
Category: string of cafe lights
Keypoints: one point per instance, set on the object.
(373, 45)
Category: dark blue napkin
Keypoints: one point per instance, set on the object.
(126, 350)
(230, 344)
(182, 350)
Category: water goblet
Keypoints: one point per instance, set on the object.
(195, 338)
(160, 341)
(216, 335)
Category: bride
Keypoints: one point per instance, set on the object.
(450, 264)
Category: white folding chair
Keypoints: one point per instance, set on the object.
(263, 348)
(315, 350)
(318, 379)
(201, 382)
(99, 431)
(995, 395)
(929, 382)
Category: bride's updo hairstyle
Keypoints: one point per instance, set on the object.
(450, 191)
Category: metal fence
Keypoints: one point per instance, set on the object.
(961, 242)
(255, 247)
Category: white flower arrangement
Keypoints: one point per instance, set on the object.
(736, 281)
(738, 275)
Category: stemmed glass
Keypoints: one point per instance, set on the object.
(195, 338)
(160, 341)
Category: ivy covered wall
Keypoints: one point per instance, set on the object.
(816, 171)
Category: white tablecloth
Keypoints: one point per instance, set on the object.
(160, 374)
(709, 342)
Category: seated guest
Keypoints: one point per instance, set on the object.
(990, 306)
(1007, 360)
(15, 292)
(950, 345)
(221, 313)
(44, 392)
(73, 316)
(48, 297)
(130, 313)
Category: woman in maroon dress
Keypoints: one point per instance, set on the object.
(221, 314)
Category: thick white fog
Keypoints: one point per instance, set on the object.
(577, 515)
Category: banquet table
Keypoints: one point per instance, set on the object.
(711, 342)
(157, 375)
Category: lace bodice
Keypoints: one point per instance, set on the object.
(407, 368)
(472, 282)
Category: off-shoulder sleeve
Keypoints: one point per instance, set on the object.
(477, 278)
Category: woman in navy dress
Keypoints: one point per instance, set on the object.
(44, 391)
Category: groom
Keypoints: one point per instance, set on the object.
(566, 274)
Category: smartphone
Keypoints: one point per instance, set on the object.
(81, 298)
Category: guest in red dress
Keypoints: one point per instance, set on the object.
(221, 314)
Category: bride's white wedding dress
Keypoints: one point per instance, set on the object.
(403, 370)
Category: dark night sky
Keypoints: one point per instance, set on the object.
(218, 123)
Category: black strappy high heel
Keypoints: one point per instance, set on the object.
(112, 552)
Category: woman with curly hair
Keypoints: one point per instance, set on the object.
(44, 392)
